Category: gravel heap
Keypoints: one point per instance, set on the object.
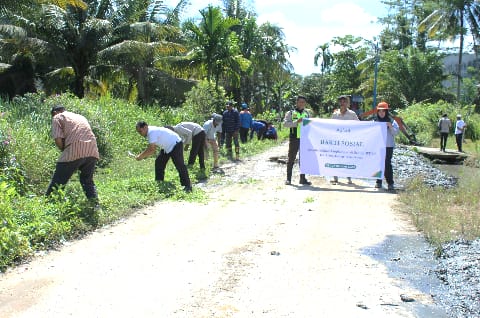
(458, 267)
(408, 164)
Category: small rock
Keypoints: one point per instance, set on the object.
(406, 298)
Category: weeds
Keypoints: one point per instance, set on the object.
(445, 214)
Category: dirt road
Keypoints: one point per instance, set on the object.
(257, 249)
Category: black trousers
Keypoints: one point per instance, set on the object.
(459, 139)
(64, 171)
(443, 140)
(388, 167)
(244, 134)
(198, 148)
(293, 148)
(177, 157)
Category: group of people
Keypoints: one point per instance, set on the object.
(293, 119)
(248, 125)
(77, 142)
(444, 126)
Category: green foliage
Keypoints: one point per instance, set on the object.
(422, 119)
(203, 100)
(410, 76)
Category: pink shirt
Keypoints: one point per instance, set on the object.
(80, 142)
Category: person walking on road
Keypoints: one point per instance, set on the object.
(293, 119)
(444, 125)
(171, 146)
(460, 126)
(75, 139)
(343, 113)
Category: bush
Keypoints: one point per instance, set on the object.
(203, 100)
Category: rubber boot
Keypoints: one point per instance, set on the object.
(237, 153)
(289, 173)
(304, 180)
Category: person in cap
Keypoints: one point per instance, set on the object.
(211, 128)
(171, 146)
(343, 113)
(460, 126)
(245, 122)
(77, 142)
(444, 125)
(392, 130)
(231, 127)
(293, 119)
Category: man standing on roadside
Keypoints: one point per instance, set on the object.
(343, 113)
(444, 125)
(171, 146)
(245, 123)
(459, 130)
(231, 126)
(75, 139)
(293, 120)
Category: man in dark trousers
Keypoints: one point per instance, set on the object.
(75, 139)
(231, 127)
(293, 119)
(171, 146)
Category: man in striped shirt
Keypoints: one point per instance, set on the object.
(75, 139)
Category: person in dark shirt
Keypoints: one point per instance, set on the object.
(231, 127)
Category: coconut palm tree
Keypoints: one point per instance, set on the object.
(453, 18)
(214, 44)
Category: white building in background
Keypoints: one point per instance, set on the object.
(450, 63)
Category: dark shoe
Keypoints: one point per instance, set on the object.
(288, 182)
(349, 180)
(187, 189)
(390, 187)
(378, 185)
(305, 182)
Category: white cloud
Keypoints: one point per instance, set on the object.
(310, 23)
(307, 28)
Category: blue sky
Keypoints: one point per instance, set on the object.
(310, 23)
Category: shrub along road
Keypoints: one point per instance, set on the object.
(258, 248)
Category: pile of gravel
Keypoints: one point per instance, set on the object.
(408, 164)
(459, 269)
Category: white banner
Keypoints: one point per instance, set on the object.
(343, 148)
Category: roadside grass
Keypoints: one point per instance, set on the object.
(447, 214)
(29, 222)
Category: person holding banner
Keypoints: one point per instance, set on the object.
(392, 131)
(344, 113)
(293, 119)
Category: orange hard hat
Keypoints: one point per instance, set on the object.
(382, 105)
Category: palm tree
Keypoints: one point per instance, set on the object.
(323, 54)
(214, 45)
(452, 19)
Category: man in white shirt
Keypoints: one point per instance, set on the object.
(459, 130)
(171, 146)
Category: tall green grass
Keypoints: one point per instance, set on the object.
(31, 222)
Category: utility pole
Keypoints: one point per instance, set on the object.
(377, 59)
